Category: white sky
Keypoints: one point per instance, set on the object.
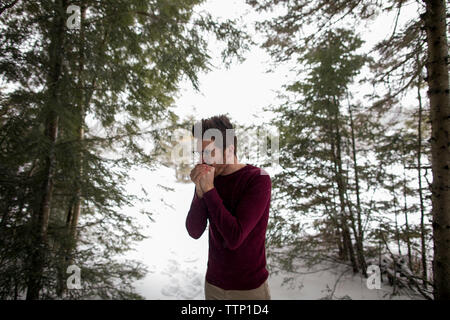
(246, 88)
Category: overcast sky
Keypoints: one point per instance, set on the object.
(244, 89)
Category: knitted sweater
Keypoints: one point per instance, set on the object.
(237, 209)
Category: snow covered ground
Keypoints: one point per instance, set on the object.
(177, 263)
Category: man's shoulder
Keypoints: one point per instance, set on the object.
(257, 174)
(254, 170)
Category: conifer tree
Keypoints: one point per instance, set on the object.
(422, 42)
(79, 89)
(314, 135)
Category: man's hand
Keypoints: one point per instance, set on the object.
(195, 175)
(206, 180)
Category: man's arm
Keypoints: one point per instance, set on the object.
(235, 229)
(197, 217)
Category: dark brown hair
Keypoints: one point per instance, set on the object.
(222, 123)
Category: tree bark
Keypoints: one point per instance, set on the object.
(81, 116)
(336, 146)
(341, 243)
(359, 235)
(42, 213)
(405, 208)
(438, 93)
(419, 176)
(74, 211)
(397, 232)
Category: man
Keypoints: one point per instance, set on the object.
(235, 198)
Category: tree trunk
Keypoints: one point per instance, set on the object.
(73, 215)
(64, 253)
(397, 232)
(342, 255)
(438, 93)
(358, 235)
(405, 209)
(419, 176)
(81, 115)
(42, 212)
(341, 243)
(341, 192)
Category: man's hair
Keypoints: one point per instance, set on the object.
(222, 123)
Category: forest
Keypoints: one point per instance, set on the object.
(88, 93)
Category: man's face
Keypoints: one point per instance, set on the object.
(211, 156)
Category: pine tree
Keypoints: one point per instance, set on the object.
(72, 112)
(396, 69)
(314, 134)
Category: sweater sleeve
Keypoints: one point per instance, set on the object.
(197, 217)
(251, 207)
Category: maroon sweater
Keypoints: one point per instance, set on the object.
(238, 211)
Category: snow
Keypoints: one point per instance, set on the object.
(177, 263)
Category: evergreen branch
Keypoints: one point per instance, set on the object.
(108, 139)
(7, 6)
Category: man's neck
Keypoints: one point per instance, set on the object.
(232, 168)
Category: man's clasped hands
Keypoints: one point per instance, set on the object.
(203, 177)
